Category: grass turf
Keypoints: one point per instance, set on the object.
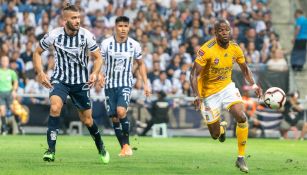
(78, 155)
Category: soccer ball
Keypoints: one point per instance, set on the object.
(274, 98)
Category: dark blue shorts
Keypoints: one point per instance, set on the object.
(115, 97)
(79, 94)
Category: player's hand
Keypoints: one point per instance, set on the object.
(43, 79)
(101, 80)
(197, 103)
(147, 90)
(92, 80)
(258, 90)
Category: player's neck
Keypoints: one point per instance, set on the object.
(70, 32)
(121, 39)
(223, 45)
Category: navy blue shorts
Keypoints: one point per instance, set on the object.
(79, 94)
(115, 97)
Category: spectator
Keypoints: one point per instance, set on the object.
(293, 118)
(277, 62)
(162, 84)
(252, 55)
(185, 57)
(8, 88)
(158, 111)
(298, 55)
(154, 74)
(132, 10)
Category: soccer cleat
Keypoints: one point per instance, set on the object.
(126, 151)
(240, 163)
(49, 156)
(104, 156)
(222, 137)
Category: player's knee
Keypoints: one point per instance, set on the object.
(88, 121)
(55, 109)
(241, 119)
(121, 113)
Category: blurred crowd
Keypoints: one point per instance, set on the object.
(170, 32)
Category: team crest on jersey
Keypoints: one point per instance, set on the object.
(216, 61)
(225, 55)
(201, 53)
(82, 42)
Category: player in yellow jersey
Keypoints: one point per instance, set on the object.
(214, 89)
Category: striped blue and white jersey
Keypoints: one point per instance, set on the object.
(71, 54)
(119, 59)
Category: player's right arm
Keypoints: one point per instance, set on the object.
(43, 79)
(197, 68)
(44, 44)
(247, 73)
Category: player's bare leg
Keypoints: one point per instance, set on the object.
(217, 130)
(237, 111)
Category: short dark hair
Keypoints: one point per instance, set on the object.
(299, 11)
(122, 19)
(70, 7)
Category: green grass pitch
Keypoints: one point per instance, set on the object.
(77, 155)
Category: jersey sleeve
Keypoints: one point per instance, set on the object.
(201, 58)
(91, 41)
(46, 41)
(137, 51)
(239, 55)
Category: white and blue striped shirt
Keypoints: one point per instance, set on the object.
(71, 54)
(119, 59)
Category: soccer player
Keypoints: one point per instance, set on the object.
(213, 87)
(8, 88)
(70, 77)
(119, 52)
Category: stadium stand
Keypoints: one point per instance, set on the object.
(170, 31)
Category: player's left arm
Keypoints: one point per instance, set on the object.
(95, 54)
(248, 75)
(95, 75)
(143, 73)
(142, 68)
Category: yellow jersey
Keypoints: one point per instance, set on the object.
(217, 63)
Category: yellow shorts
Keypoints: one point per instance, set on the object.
(212, 105)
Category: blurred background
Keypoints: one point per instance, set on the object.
(272, 34)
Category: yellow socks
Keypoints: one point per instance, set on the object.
(242, 133)
(222, 131)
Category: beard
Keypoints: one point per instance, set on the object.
(71, 27)
(224, 41)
